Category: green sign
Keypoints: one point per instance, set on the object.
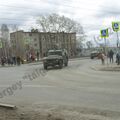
(116, 26)
(0, 44)
(104, 33)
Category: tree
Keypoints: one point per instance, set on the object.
(34, 30)
(89, 44)
(5, 32)
(5, 40)
(80, 43)
(14, 28)
(56, 23)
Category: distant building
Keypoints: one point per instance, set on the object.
(32, 42)
(4, 48)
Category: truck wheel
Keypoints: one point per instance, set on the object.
(45, 67)
(66, 64)
(61, 65)
(92, 57)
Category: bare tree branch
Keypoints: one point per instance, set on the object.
(56, 23)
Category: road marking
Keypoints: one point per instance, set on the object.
(40, 86)
(47, 86)
(4, 85)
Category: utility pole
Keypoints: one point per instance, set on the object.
(40, 45)
(118, 44)
(105, 46)
(105, 34)
(106, 51)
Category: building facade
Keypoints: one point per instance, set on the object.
(32, 42)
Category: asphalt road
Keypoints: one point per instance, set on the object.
(76, 85)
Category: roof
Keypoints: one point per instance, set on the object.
(55, 50)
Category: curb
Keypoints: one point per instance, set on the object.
(105, 68)
(8, 106)
(94, 68)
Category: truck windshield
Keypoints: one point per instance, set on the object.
(55, 53)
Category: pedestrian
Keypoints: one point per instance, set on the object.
(18, 60)
(8, 61)
(3, 61)
(14, 60)
(22, 60)
(37, 56)
(11, 61)
(118, 58)
(111, 53)
(102, 57)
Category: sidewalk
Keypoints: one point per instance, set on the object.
(106, 67)
(7, 66)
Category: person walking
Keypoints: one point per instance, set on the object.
(37, 56)
(18, 60)
(118, 58)
(111, 54)
(102, 57)
(14, 60)
(3, 61)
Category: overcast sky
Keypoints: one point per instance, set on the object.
(92, 14)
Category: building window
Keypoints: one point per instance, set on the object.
(35, 45)
(35, 39)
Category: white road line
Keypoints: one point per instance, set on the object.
(39, 86)
(33, 86)
(29, 86)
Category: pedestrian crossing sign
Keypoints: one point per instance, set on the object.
(116, 26)
(104, 33)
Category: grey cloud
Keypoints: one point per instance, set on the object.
(106, 13)
(109, 8)
(18, 14)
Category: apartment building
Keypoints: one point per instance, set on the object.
(32, 42)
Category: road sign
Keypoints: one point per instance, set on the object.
(104, 33)
(116, 26)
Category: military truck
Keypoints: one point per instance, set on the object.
(55, 58)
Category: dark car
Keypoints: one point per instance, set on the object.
(55, 58)
(94, 54)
